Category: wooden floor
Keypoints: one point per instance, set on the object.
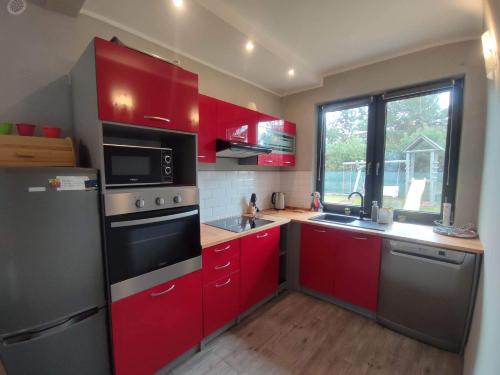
(298, 334)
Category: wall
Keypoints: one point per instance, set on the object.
(431, 64)
(39, 48)
(481, 355)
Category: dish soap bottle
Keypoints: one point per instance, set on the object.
(374, 211)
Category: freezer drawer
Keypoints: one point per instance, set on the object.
(77, 346)
(427, 292)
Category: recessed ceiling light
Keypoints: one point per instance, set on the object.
(291, 72)
(249, 46)
(178, 3)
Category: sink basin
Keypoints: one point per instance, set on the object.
(334, 218)
(350, 221)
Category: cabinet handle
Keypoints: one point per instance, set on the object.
(263, 236)
(157, 118)
(359, 238)
(223, 249)
(223, 284)
(319, 230)
(223, 266)
(238, 136)
(201, 156)
(24, 155)
(288, 162)
(164, 292)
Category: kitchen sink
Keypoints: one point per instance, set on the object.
(349, 221)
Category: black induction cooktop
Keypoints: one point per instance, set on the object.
(238, 223)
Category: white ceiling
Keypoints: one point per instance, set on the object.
(315, 37)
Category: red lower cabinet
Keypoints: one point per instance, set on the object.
(317, 258)
(357, 270)
(153, 327)
(259, 266)
(221, 302)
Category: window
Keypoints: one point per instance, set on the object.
(399, 148)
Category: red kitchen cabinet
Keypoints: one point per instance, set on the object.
(259, 266)
(220, 260)
(207, 132)
(317, 258)
(139, 89)
(153, 327)
(231, 124)
(221, 302)
(357, 269)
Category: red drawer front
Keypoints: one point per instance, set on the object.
(288, 160)
(271, 159)
(220, 270)
(220, 302)
(153, 327)
(219, 254)
(135, 88)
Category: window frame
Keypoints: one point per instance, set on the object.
(376, 137)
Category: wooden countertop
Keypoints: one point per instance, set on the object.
(211, 236)
(423, 234)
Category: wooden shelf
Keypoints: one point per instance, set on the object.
(21, 151)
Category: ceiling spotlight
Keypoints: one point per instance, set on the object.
(249, 46)
(291, 72)
(178, 3)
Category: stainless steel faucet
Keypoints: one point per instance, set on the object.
(361, 210)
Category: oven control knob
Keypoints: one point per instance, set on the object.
(139, 203)
(177, 199)
(167, 159)
(167, 170)
(160, 201)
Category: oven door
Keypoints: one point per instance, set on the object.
(142, 242)
(131, 165)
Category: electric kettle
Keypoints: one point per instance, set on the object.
(278, 200)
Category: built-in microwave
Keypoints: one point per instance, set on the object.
(127, 165)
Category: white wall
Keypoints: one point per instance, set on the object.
(482, 352)
(464, 58)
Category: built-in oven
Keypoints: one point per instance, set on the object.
(151, 243)
(127, 165)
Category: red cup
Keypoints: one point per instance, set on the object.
(51, 131)
(25, 129)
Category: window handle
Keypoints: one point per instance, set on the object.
(377, 167)
(368, 168)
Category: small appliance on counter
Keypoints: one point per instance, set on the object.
(278, 200)
(52, 289)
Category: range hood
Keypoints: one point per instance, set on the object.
(239, 150)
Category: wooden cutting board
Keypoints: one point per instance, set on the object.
(21, 151)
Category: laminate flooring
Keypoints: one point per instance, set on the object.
(299, 334)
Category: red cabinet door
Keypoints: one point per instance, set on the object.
(207, 132)
(317, 258)
(153, 327)
(357, 270)
(135, 88)
(259, 266)
(230, 122)
(288, 160)
(221, 302)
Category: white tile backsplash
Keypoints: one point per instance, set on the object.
(225, 194)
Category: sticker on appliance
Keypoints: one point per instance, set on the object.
(61, 183)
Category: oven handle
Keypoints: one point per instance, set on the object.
(117, 224)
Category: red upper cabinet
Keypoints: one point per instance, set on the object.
(317, 258)
(231, 124)
(207, 133)
(280, 136)
(139, 89)
(153, 327)
(357, 269)
(259, 266)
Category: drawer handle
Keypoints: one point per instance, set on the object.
(223, 284)
(157, 118)
(223, 266)
(164, 292)
(319, 230)
(24, 155)
(263, 236)
(359, 238)
(288, 162)
(201, 156)
(223, 249)
(238, 136)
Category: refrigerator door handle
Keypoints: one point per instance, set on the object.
(18, 337)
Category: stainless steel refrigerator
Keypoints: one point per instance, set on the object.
(52, 290)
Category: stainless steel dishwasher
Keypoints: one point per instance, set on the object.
(427, 292)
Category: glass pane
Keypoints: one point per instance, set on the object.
(416, 130)
(345, 155)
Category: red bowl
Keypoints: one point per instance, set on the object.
(25, 129)
(51, 132)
